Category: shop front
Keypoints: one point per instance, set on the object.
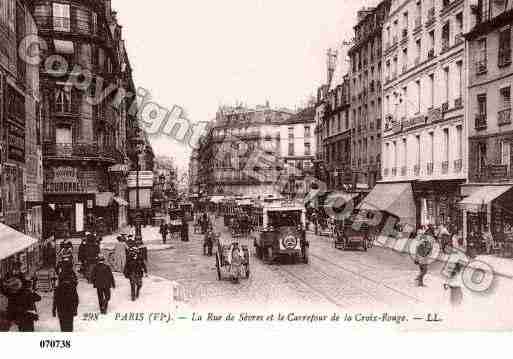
(67, 216)
(488, 208)
(438, 203)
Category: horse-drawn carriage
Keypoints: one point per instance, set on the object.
(282, 232)
(233, 259)
(188, 210)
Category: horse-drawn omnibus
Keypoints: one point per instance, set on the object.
(282, 232)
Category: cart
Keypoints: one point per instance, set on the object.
(351, 234)
(223, 262)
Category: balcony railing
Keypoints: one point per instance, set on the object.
(445, 167)
(445, 45)
(480, 122)
(504, 117)
(416, 170)
(65, 24)
(458, 166)
(81, 150)
(445, 107)
(458, 103)
(430, 168)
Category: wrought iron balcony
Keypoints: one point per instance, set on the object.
(81, 151)
(504, 117)
(445, 107)
(480, 122)
(445, 44)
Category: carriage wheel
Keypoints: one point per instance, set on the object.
(218, 267)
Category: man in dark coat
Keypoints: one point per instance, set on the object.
(92, 251)
(65, 300)
(82, 256)
(185, 231)
(21, 305)
(103, 281)
(163, 232)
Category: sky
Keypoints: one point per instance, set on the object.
(202, 54)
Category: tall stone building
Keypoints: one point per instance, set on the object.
(424, 129)
(21, 176)
(366, 87)
(488, 194)
(84, 124)
(226, 154)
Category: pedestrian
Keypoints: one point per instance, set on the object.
(21, 300)
(50, 255)
(185, 231)
(135, 269)
(423, 251)
(120, 255)
(163, 232)
(82, 258)
(488, 239)
(65, 300)
(92, 253)
(454, 285)
(103, 281)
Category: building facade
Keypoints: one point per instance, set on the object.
(424, 131)
(227, 163)
(365, 81)
(297, 151)
(490, 129)
(21, 175)
(84, 129)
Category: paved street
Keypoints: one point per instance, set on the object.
(378, 280)
(332, 279)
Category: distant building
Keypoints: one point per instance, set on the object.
(366, 87)
(297, 150)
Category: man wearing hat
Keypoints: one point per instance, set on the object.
(103, 281)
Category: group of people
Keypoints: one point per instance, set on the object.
(168, 229)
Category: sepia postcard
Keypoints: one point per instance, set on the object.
(173, 165)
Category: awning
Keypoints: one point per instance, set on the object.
(12, 241)
(394, 198)
(121, 201)
(483, 196)
(104, 199)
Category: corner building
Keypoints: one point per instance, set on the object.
(84, 141)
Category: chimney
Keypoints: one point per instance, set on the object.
(331, 63)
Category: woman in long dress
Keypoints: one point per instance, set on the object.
(119, 255)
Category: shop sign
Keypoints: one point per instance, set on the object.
(65, 175)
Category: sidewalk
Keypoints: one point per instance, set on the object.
(500, 266)
(124, 315)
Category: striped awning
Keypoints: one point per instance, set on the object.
(482, 196)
